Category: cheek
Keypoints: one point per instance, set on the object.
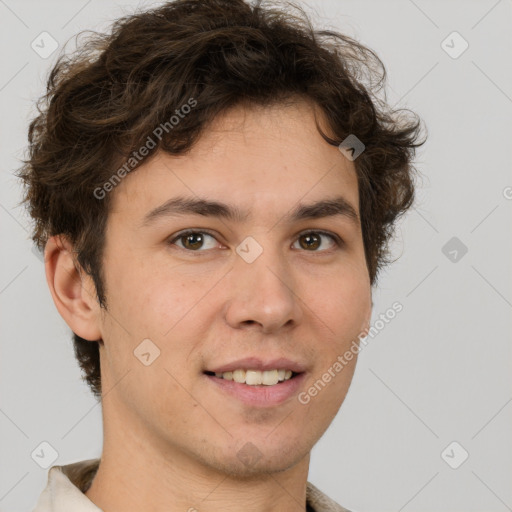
(325, 393)
(346, 309)
(345, 304)
(148, 298)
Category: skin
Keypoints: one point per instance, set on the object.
(171, 437)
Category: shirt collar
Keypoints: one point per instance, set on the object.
(67, 484)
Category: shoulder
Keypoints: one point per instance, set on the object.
(65, 488)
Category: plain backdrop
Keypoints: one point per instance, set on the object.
(434, 386)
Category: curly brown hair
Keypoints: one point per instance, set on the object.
(105, 99)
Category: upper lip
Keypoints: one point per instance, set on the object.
(255, 363)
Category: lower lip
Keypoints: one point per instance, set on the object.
(260, 396)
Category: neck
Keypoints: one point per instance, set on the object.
(148, 476)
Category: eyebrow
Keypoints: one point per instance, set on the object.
(180, 206)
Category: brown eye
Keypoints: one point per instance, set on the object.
(312, 240)
(192, 240)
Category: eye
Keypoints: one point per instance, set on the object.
(312, 240)
(191, 240)
(194, 240)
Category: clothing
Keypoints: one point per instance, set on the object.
(67, 484)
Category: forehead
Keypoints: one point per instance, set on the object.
(265, 159)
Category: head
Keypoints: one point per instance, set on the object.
(237, 111)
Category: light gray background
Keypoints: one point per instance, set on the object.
(439, 372)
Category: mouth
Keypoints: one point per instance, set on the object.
(258, 384)
(256, 377)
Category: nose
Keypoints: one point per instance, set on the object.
(262, 295)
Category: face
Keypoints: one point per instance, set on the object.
(273, 287)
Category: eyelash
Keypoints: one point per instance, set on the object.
(335, 238)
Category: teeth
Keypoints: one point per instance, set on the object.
(253, 378)
(256, 377)
(270, 378)
(239, 376)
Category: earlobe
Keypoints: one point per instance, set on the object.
(72, 291)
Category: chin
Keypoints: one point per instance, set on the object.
(246, 460)
(249, 460)
(250, 470)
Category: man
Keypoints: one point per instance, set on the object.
(214, 191)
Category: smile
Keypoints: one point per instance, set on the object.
(256, 377)
(252, 391)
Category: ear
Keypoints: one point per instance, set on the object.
(73, 291)
(365, 328)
